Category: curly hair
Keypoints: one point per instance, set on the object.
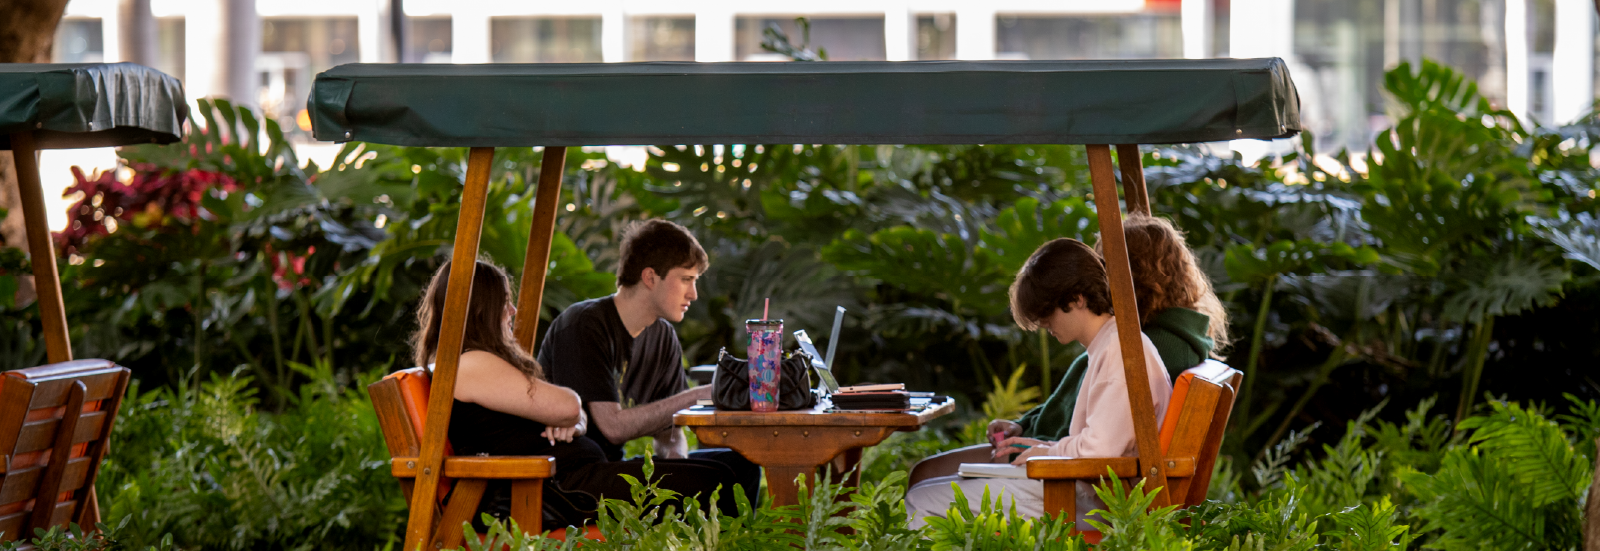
(1165, 274)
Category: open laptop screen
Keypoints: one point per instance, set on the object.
(823, 373)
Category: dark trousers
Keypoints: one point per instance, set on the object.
(698, 475)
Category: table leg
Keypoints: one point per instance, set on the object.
(781, 486)
(852, 467)
(787, 451)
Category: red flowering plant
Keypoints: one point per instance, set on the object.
(210, 254)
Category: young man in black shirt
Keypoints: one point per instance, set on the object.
(622, 356)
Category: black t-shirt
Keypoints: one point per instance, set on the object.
(589, 350)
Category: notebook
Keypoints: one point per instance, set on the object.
(992, 470)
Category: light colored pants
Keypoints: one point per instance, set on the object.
(933, 497)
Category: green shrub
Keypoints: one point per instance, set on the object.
(212, 472)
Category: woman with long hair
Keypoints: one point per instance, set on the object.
(503, 404)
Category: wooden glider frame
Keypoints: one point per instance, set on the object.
(469, 226)
(421, 522)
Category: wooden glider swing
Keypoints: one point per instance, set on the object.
(55, 419)
(555, 106)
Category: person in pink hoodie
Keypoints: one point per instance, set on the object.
(1062, 288)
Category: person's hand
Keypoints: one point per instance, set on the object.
(1006, 427)
(1039, 450)
(1004, 448)
(564, 434)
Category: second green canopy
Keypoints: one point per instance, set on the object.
(936, 102)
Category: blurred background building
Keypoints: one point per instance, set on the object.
(1533, 57)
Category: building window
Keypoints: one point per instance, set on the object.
(430, 39)
(544, 40)
(326, 41)
(169, 46)
(1342, 49)
(661, 39)
(78, 40)
(293, 51)
(936, 36)
(1134, 36)
(841, 38)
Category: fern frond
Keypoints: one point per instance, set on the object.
(1474, 504)
(1370, 527)
(1533, 450)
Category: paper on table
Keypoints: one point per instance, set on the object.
(992, 470)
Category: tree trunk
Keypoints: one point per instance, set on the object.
(27, 31)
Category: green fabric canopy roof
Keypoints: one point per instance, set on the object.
(73, 105)
(919, 102)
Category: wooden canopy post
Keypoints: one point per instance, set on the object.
(52, 309)
(1126, 306)
(1133, 189)
(463, 264)
(537, 260)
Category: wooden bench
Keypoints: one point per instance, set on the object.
(401, 402)
(54, 423)
(1191, 433)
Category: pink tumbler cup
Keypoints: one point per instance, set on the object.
(766, 340)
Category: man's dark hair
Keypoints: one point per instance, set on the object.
(657, 244)
(1054, 277)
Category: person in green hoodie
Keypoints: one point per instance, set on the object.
(1179, 313)
(1178, 310)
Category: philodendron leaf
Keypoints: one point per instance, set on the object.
(924, 261)
(1579, 241)
(1019, 230)
(1508, 286)
(1254, 265)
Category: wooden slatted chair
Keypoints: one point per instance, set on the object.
(54, 423)
(401, 402)
(1191, 433)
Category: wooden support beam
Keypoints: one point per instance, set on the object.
(52, 310)
(537, 260)
(463, 264)
(1134, 192)
(1126, 305)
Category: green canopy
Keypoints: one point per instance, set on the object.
(73, 105)
(921, 102)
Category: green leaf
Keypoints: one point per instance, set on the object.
(1506, 286)
(1533, 450)
(1019, 230)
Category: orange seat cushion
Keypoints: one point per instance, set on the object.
(415, 385)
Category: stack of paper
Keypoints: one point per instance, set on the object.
(992, 470)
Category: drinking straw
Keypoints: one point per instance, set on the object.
(764, 306)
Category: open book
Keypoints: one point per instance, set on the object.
(992, 470)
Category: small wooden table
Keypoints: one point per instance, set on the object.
(788, 443)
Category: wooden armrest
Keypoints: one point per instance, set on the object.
(1094, 468)
(496, 467)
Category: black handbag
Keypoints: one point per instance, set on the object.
(730, 385)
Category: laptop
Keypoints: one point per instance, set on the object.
(823, 365)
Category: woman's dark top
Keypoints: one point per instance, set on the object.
(477, 430)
